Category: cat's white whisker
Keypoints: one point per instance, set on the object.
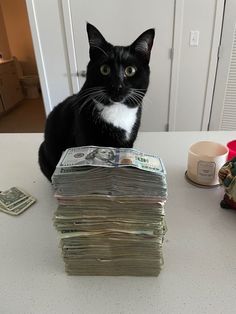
(135, 98)
(91, 96)
(86, 93)
(138, 97)
(141, 94)
(147, 99)
(99, 99)
(87, 101)
(86, 90)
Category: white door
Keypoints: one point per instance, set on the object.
(223, 116)
(121, 22)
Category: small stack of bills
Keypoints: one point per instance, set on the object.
(14, 201)
(110, 214)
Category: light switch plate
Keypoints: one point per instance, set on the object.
(194, 38)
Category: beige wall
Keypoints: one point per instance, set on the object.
(18, 33)
(4, 45)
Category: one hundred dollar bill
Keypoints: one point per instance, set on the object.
(110, 157)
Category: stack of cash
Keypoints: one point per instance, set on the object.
(110, 214)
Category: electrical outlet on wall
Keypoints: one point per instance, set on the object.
(194, 38)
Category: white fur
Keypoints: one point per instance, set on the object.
(119, 115)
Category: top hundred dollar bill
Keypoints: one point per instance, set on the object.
(110, 157)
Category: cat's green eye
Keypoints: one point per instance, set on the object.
(130, 71)
(105, 69)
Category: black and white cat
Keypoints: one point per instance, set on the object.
(107, 110)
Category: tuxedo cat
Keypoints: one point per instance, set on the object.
(107, 110)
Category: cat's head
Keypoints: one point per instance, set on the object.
(122, 72)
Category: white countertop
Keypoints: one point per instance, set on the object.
(199, 275)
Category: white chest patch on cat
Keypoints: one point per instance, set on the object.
(119, 115)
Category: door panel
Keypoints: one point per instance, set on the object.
(223, 116)
(121, 22)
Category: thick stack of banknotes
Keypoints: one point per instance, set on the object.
(110, 214)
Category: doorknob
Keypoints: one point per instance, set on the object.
(81, 73)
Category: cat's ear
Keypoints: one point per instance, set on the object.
(97, 42)
(142, 46)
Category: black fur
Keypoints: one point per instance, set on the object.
(77, 122)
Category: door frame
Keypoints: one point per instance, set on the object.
(175, 62)
(49, 43)
(212, 69)
(225, 52)
(40, 57)
(69, 30)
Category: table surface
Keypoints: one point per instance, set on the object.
(199, 275)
